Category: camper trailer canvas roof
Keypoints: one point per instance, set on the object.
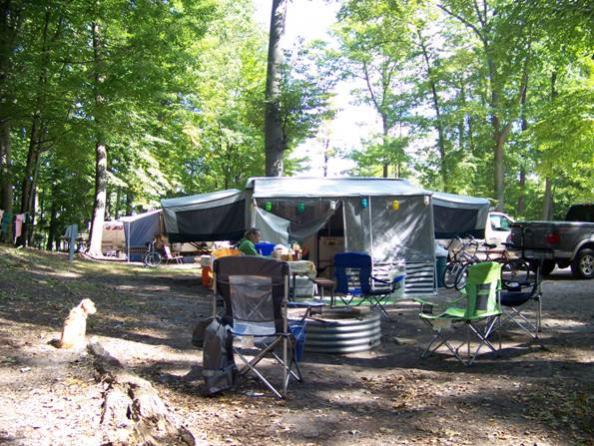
(305, 187)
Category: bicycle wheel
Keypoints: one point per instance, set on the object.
(515, 274)
(152, 259)
(450, 273)
(461, 277)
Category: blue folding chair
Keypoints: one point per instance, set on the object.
(354, 279)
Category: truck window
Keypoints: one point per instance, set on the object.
(500, 223)
(583, 212)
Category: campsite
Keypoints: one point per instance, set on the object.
(387, 396)
(290, 222)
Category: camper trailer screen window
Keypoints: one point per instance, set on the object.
(218, 223)
(307, 216)
(450, 222)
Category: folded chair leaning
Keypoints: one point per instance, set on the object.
(254, 291)
(480, 314)
(354, 279)
(169, 257)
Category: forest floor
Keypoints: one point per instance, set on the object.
(526, 396)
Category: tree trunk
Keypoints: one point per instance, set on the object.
(29, 179)
(6, 196)
(32, 217)
(437, 109)
(52, 233)
(96, 234)
(547, 212)
(273, 132)
(326, 156)
(385, 131)
(117, 203)
(547, 209)
(10, 24)
(129, 201)
(521, 208)
(499, 170)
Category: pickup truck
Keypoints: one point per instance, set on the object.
(564, 243)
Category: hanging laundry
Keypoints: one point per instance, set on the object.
(18, 225)
(6, 220)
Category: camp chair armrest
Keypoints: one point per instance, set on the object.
(385, 282)
(375, 279)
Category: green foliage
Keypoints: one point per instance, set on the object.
(176, 91)
(452, 75)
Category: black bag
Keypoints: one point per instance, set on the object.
(199, 331)
(218, 368)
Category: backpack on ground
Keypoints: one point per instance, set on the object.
(218, 367)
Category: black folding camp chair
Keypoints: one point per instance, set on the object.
(515, 302)
(255, 294)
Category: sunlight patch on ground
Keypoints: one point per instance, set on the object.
(126, 350)
(566, 325)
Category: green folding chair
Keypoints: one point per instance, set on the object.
(480, 314)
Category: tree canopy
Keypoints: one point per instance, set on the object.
(108, 106)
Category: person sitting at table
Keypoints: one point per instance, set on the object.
(248, 244)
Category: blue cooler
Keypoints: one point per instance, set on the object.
(265, 248)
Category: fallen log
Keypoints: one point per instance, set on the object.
(133, 414)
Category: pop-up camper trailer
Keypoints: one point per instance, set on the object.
(388, 218)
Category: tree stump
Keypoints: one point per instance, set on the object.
(133, 414)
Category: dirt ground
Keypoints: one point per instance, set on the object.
(526, 396)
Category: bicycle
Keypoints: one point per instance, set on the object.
(462, 253)
(515, 271)
(152, 257)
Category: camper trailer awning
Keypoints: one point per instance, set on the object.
(303, 187)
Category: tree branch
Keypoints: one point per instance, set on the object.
(482, 20)
(465, 22)
(370, 88)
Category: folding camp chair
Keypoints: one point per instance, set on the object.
(170, 257)
(354, 279)
(255, 294)
(480, 314)
(515, 300)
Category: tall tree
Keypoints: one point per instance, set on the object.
(505, 44)
(11, 19)
(273, 131)
(375, 40)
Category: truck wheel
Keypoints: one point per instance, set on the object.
(547, 267)
(583, 265)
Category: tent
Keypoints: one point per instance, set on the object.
(139, 230)
(457, 215)
(206, 217)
